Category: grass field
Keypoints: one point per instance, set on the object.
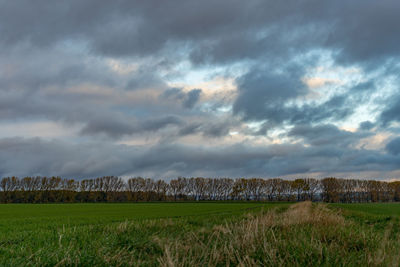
(46, 233)
(385, 209)
(30, 217)
(199, 234)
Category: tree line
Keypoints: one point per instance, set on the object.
(138, 189)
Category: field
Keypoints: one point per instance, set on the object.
(31, 217)
(384, 209)
(199, 234)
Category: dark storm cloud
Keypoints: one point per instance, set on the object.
(187, 99)
(264, 96)
(217, 128)
(145, 80)
(38, 157)
(393, 147)
(366, 32)
(77, 91)
(31, 69)
(174, 93)
(113, 28)
(53, 66)
(192, 97)
(222, 30)
(336, 108)
(89, 111)
(391, 111)
(366, 125)
(325, 134)
(114, 128)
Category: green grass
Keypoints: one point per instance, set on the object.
(200, 234)
(386, 209)
(17, 217)
(44, 233)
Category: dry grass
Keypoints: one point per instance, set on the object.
(304, 234)
(388, 252)
(306, 213)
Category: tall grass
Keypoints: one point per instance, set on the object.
(303, 234)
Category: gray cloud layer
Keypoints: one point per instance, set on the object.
(108, 68)
(168, 160)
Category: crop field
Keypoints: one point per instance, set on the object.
(385, 209)
(200, 234)
(31, 217)
(41, 234)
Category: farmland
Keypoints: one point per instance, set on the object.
(199, 234)
(15, 217)
(384, 209)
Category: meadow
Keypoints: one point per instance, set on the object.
(200, 234)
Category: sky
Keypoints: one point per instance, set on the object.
(296, 88)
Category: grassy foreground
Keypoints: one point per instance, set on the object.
(205, 234)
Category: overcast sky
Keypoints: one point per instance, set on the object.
(200, 88)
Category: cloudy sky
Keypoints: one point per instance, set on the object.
(200, 88)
